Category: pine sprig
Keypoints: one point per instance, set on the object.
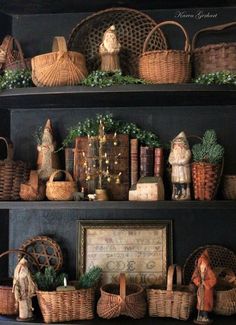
(49, 280)
(218, 78)
(90, 278)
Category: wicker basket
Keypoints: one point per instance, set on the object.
(165, 66)
(229, 187)
(58, 68)
(122, 299)
(7, 299)
(66, 306)
(61, 190)
(132, 28)
(34, 189)
(176, 302)
(214, 57)
(206, 179)
(12, 174)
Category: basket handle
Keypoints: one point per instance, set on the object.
(19, 49)
(68, 175)
(210, 29)
(168, 22)
(20, 251)
(170, 276)
(9, 146)
(122, 281)
(59, 44)
(3, 48)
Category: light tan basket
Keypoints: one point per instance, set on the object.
(176, 302)
(66, 306)
(165, 66)
(59, 68)
(61, 190)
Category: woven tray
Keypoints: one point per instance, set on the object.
(132, 28)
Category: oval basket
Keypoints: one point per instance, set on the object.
(122, 299)
(58, 68)
(132, 28)
(229, 187)
(61, 190)
(214, 57)
(165, 66)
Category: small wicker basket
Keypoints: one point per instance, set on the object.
(229, 187)
(122, 299)
(61, 190)
(165, 66)
(214, 57)
(176, 302)
(60, 67)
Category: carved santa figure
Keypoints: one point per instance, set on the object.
(24, 289)
(179, 158)
(109, 51)
(205, 279)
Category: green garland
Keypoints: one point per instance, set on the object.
(16, 79)
(90, 127)
(218, 78)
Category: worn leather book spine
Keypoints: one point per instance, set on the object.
(158, 162)
(69, 160)
(134, 161)
(146, 161)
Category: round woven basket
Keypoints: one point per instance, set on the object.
(132, 28)
(229, 187)
(165, 66)
(61, 190)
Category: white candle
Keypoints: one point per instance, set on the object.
(65, 282)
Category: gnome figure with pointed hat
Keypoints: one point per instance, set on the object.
(109, 51)
(179, 158)
(205, 279)
(48, 161)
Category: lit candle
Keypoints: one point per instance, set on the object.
(65, 282)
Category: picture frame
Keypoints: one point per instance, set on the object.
(141, 249)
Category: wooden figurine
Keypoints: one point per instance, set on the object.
(34, 189)
(147, 189)
(205, 279)
(48, 161)
(179, 158)
(24, 289)
(109, 51)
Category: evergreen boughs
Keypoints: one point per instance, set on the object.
(49, 280)
(209, 150)
(90, 278)
(106, 79)
(218, 78)
(15, 79)
(90, 127)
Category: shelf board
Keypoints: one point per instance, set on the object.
(117, 205)
(82, 97)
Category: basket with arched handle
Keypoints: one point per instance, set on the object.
(121, 299)
(61, 190)
(165, 66)
(174, 301)
(214, 57)
(7, 299)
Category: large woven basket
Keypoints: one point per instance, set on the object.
(206, 179)
(122, 299)
(229, 187)
(60, 67)
(132, 28)
(165, 66)
(176, 301)
(12, 174)
(66, 306)
(7, 299)
(61, 190)
(214, 57)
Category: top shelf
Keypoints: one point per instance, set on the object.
(29, 7)
(118, 96)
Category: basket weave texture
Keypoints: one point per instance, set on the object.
(61, 190)
(122, 299)
(12, 174)
(214, 57)
(229, 187)
(176, 301)
(65, 306)
(58, 68)
(132, 28)
(206, 178)
(165, 66)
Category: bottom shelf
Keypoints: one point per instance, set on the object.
(218, 320)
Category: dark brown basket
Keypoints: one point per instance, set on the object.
(214, 57)
(122, 299)
(132, 28)
(229, 187)
(165, 66)
(12, 174)
(174, 301)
